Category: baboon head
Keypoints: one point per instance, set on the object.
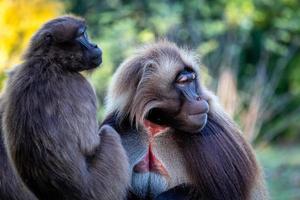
(65, 41)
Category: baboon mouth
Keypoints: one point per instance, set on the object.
(156, 122)
(97, 61)
(158, 117)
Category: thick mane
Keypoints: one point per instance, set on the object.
(222, 163)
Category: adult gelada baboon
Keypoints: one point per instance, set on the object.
(180, 143)
(49, 120)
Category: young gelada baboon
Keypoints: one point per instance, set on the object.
(180, 143)
(49, 120)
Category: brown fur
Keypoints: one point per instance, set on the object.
(49, 120)
(11, 185)
(217, 161)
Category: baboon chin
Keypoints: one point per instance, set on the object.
(178, 139)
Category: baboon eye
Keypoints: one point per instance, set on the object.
(185, 77)
(81, 31)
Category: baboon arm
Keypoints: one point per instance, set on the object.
(111, 163)
(105, 175)
(61, 171)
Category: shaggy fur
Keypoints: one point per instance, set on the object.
(50, 125)
(11, 186)
(216, 163)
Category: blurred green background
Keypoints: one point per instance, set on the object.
(250, 59)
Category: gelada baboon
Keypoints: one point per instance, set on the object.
(175, 134)
(49, 120)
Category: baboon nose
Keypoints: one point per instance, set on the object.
(201, 97)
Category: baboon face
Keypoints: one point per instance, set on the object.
(65, 41)
(169, 94)
(182, 106)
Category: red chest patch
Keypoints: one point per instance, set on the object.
(150, 163)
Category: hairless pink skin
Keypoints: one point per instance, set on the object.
(150, 163)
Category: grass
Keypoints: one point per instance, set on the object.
(282, 169)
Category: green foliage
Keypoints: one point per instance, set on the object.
(257, 39)
(282, 171)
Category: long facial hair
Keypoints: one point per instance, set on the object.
(220, 161)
